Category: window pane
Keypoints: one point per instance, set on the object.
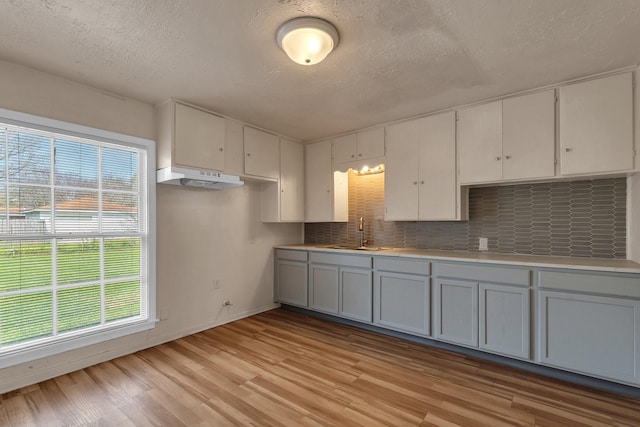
(78, 307)
(24, 264)
(30, 209)
(122, 300)
(4, 224)
(76, 211)
(29, 158)
(119, 169)
(76, 164)
(119, 212)
(25, 317)
(121, 257)
(3, 157)
(78, 260)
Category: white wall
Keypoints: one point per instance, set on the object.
(202, 235)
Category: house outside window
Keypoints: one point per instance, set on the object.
(77, 236)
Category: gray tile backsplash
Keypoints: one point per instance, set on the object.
(580, 218)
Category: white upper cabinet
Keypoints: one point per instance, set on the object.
(326, 192)
(511, 139)
(283, 201)
(528, 136)
(344, 148)
(190, 137)
(371, 143)
(480, 143)
(261, 153)
(596, 126)
(291, 181)
(362, 145)
(420, 170)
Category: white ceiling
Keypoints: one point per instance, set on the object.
(396, 58)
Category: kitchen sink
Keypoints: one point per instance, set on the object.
(358, 248)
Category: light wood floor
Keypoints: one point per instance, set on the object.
(281, 368)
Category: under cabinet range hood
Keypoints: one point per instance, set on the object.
(197, 178)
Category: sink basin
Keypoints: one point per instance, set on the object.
(358, 248)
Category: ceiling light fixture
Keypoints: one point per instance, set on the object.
(307, 41)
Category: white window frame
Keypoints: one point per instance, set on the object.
(22, 354)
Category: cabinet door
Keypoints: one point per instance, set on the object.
(323, 288)
(261, 153)
(370, 143)
(456, 316)
(292, 282)
(199, 139)
(291, 181)
(401, 172)
(402, 302)
(318, 181)
(437, 173)
(591, 334)
(528, 136)
(480, 143)
(344, 148)
(504, 319)
(356, 294)
(596, 126)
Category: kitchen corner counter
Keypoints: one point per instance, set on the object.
(539, 261)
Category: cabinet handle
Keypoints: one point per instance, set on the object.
(415, 182)
(567, 149)
(328, 191)
(221, 149)
(359, 155)
(498, 158)
(421, 182)
(248, 154)
(353, 155)
(282, 190)
(507, 157)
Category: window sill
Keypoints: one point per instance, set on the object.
(23, 355)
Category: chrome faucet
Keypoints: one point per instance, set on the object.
(363, 242)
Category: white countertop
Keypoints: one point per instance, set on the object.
(594, 264)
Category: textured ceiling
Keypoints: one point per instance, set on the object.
(396, 58)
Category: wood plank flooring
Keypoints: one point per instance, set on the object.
(285, 369)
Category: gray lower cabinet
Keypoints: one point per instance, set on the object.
(486, 307)
(291, 277)
(355, 294)
(456, 312)
(402, 295)
(504, 319)
(323, 288)
(594, 334)
(341, 284)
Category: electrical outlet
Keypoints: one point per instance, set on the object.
(483, 244)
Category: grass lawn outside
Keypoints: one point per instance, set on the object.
(28, 265)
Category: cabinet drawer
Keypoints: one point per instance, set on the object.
(407, 266)
(477, 273)
(291, 255)
(341, 260)
(591, 283)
